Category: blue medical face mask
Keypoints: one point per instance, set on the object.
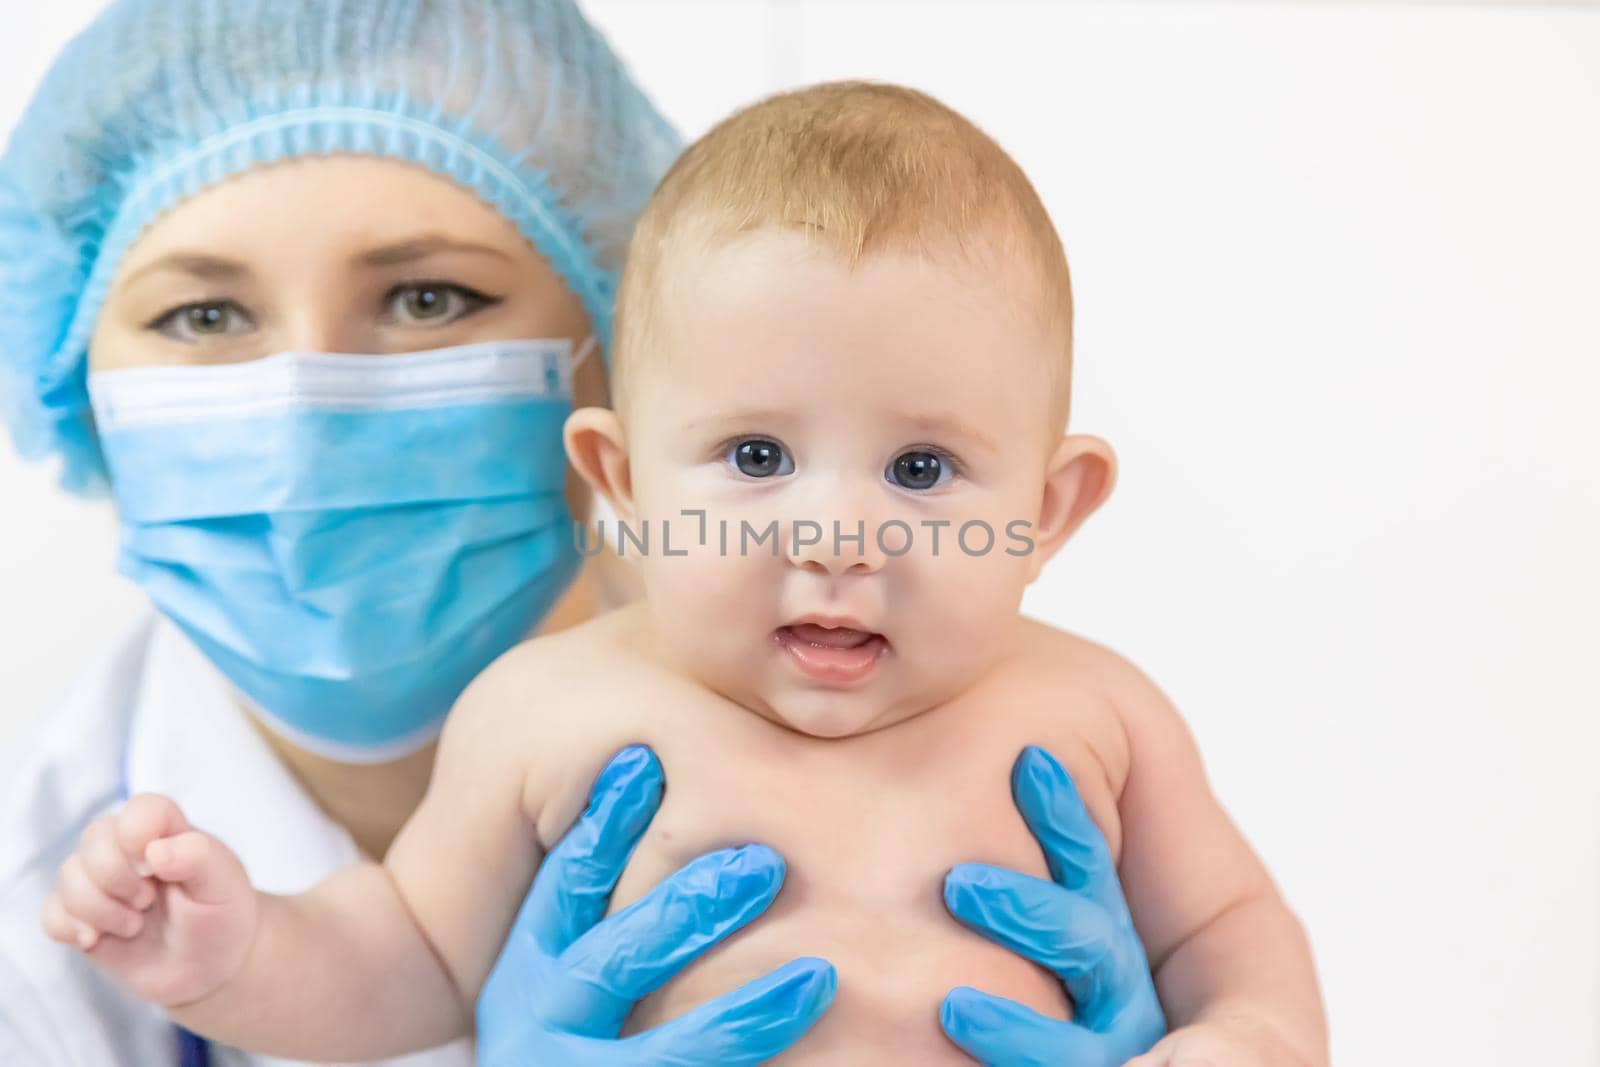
(350, 539)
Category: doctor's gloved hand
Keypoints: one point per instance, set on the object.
(566, 978)
(1076, 925)
(163, 908)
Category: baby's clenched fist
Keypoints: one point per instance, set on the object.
(164, 908)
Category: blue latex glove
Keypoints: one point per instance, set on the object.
(565, 980)
(1076, 925)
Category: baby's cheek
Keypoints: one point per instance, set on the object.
(706, 601)
(670, 580)
(965, 608)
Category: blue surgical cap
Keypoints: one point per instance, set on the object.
(520, 101)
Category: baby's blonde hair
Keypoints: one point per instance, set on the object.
(861, 167)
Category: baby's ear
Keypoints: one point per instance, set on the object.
(597, 447)
(1079, 477)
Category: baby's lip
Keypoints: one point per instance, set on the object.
(836, 637)
(832, 622)
(835, 656)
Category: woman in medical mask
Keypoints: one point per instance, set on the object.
(310, 286)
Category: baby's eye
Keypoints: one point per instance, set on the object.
(919, 469)
(193, 323)
(760, 457)
(434, 304)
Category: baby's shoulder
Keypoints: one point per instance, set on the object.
(1068, 682)
(551, 677)
(542, 694)
(574, 651)
(559, 705)
(1071, 661)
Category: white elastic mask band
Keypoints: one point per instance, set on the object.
(585, 350)
(464, 374)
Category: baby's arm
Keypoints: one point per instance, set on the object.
(373, 962)
(1231, 962)
(167, 910)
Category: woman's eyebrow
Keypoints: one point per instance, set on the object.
(196, 265)
(418, 248)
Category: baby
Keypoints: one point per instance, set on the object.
(838, 454)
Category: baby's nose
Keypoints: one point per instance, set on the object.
(834, 547)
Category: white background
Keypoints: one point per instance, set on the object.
(1338, 274)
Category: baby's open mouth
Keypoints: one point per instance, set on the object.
(836, 655)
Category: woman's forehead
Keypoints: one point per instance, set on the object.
(368, 210)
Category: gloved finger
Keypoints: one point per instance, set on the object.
(633, 952)
(1070, 936)
(93, 906)
(1101, 962)
(575, 881)
(1002, 1033)
(750, 1025)
(1074, 849)
(110, 867)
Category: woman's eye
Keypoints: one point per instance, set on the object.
(197, 322)
(760, 457)
(434, 304)
(919, 469)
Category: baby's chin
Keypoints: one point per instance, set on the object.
(830, 714)
(767, 683)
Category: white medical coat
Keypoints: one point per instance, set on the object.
(154, 717)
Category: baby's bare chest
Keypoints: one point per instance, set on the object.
(867, 827)
(855, 824)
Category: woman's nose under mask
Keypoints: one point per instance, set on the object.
(350, 539)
